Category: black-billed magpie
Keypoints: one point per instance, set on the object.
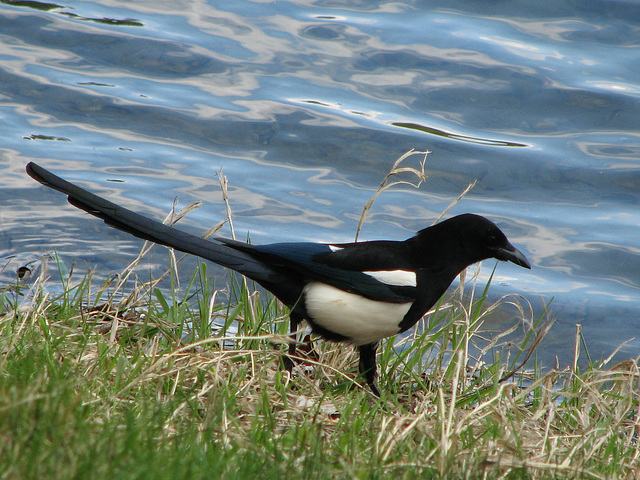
(348, 292)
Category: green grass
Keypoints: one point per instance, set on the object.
(96, 383)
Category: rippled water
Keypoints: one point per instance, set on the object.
(306, 105)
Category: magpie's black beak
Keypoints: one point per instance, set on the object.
(512, 254)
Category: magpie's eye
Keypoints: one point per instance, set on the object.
(492, 238)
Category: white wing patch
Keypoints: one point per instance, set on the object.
(357, 318)
(400, 278)
(334, 248)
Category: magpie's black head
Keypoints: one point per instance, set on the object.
(477, 239)
(483, 238)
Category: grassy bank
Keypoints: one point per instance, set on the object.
(125, 382)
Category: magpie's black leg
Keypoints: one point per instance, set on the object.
(294, 323)
(368, 365)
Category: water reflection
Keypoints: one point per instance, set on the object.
(306, 106)
(454, 136)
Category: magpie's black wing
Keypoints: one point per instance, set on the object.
(370, 276)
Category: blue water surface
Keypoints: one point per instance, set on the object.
(306, 105)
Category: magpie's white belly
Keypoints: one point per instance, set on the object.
(357, 318)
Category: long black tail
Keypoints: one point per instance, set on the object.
(152, 230)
